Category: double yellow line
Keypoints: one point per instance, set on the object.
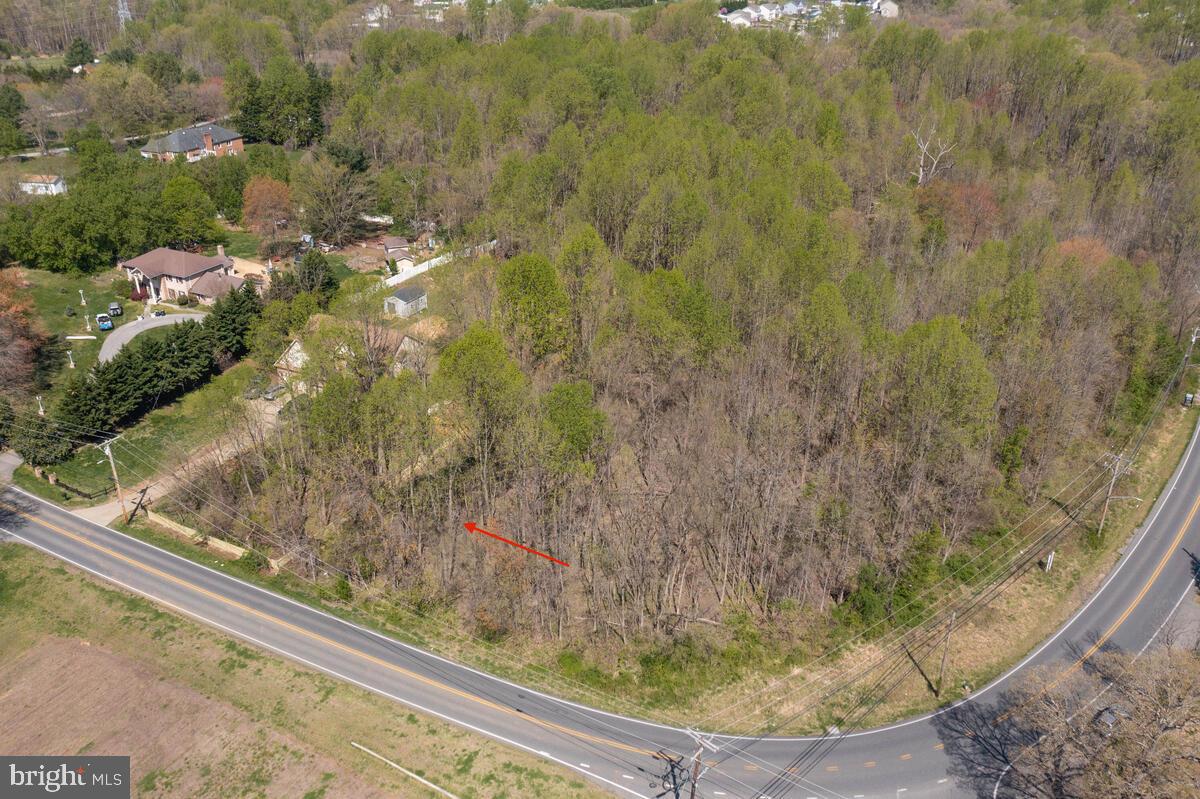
(324, 640)
(1095, 647)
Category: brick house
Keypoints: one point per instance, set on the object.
(194, 143)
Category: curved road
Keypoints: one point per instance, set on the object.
(957, 752)
(118, 337)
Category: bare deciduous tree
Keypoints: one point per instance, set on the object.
(932, 152)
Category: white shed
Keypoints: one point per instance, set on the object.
(406, 301)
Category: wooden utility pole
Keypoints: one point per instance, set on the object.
(945, 653)
(696, 763)
(1117, 471)
(120, 496)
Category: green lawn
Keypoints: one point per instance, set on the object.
(241, 244)
(162, 438)
(54, 293)
(63, 164)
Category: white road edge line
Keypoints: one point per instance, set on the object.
(310, 664)
(405, 771)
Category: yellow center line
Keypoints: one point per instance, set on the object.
(906, 756)
(939, 746)
(1094, 648)
(869, 764)
(322, 639)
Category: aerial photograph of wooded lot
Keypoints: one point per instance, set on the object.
(565, 398)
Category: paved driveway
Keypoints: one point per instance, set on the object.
(122, 335)
(9, 461)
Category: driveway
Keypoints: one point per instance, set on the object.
(9, 461)
(122, 335)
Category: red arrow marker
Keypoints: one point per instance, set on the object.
(474, 528)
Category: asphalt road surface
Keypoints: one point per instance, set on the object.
(118, 337)
(956, 752)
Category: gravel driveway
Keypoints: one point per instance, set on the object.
(122, 335)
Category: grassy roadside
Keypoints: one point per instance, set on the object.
(283, 731)
(1016, 622)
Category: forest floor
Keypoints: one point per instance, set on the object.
(88, 669)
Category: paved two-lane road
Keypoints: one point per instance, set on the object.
(956, 752)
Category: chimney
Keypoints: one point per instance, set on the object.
(220, 250)
(208, 145)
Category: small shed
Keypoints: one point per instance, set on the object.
(406, 301)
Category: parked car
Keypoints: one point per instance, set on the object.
(104, 322)
(273, 392)
(115, 309)
(158, 312)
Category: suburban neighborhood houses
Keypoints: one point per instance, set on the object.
(794, 14)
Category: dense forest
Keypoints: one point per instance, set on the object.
(774, 324)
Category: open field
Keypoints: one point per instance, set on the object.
(88, 669)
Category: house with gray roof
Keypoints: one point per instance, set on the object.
(194, 143)
(406, 301)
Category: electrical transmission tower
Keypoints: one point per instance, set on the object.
(123, 14)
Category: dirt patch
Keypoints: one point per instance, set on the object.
(68, 696)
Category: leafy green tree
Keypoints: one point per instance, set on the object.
(78, 52)
(477, 374)
(467, 145)
(224, 181)
(945, 396)
(190, 212)
(162, 68)
(574, 427)
(84, 404)
(534, 305)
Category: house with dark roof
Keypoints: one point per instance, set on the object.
(194, 143)
(170, 274)
(406, 301)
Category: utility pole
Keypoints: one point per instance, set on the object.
(945, 652)
(112, 463)
(1118, 468)
(698, 768)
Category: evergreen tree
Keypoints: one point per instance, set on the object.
(314, 274)
(78, 52)
(40, 443)
(230, 321)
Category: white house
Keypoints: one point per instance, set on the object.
(793, 9)
(406, 301)
(43, 184)
(739, 19)
(375, 16)
(770, 11)
(888, 9)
